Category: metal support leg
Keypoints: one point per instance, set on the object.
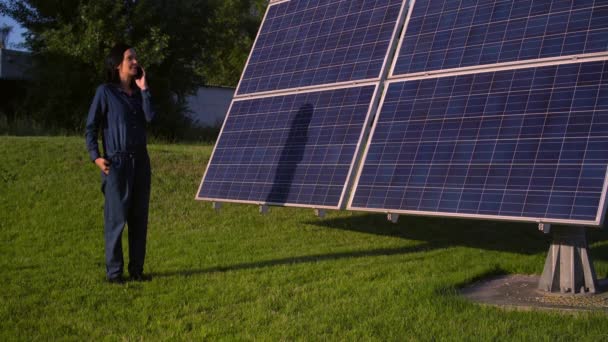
(392, 217)
(263, 209)
(568, 268)
(320, 213)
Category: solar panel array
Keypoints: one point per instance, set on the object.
(306, 43)
(285, 145)
(524, 140)
(444, 34)
(492, 109)
(527, 143)
(295, 148)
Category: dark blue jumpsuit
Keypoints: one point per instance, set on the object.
(122, 119)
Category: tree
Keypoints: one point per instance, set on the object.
(231, 30)
(182, 43)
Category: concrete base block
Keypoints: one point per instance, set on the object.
(568, 267)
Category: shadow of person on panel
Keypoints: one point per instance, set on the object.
(291, 156)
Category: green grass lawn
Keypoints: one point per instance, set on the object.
(238, 275)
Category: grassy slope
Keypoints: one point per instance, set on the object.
(240, 275)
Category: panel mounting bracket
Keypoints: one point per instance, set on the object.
(263, 209)
(392, 217)
(216, 206)
(544, 227)
(320, 213)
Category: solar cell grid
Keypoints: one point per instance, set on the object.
(444, 34)
(521, 143)
(528, 143)
(288, 149)
(305, 43)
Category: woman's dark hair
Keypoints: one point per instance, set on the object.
(113, 60)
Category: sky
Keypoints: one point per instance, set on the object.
(15, 38)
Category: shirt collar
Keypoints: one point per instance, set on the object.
(119, 88)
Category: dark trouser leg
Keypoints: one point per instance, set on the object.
(116, 191)
(138, 215)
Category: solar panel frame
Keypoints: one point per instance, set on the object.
(377, 82)
(603, 204)
(382, 83)
(474, 68)
(582, 58)
(408, 17)
(432, 74)
(393, 42)
(255, 41)
(372, 108)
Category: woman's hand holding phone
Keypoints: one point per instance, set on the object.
(140, 78)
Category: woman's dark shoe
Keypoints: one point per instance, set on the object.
(141, 277)
(116, 280)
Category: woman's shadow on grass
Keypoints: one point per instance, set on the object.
(433, 233)
(295, 261)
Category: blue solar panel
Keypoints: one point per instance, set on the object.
(305, 43)
(288, 149)
(444, 34)
(527, 143)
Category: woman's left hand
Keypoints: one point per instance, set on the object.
(141, 82)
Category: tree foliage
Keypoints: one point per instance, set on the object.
(183, 44)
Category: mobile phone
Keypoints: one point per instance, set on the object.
(140, 73)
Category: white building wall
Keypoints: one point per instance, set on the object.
(14, 65)
(210, 105)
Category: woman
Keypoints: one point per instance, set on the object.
(120, 110)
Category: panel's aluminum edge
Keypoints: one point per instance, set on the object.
(395, 42)
(367, 147)
(372, 110)
(295, 205)
(307, 89)
(411, 4)
(530, 63)
(480, 217)
(601, 210)
(255, 42)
